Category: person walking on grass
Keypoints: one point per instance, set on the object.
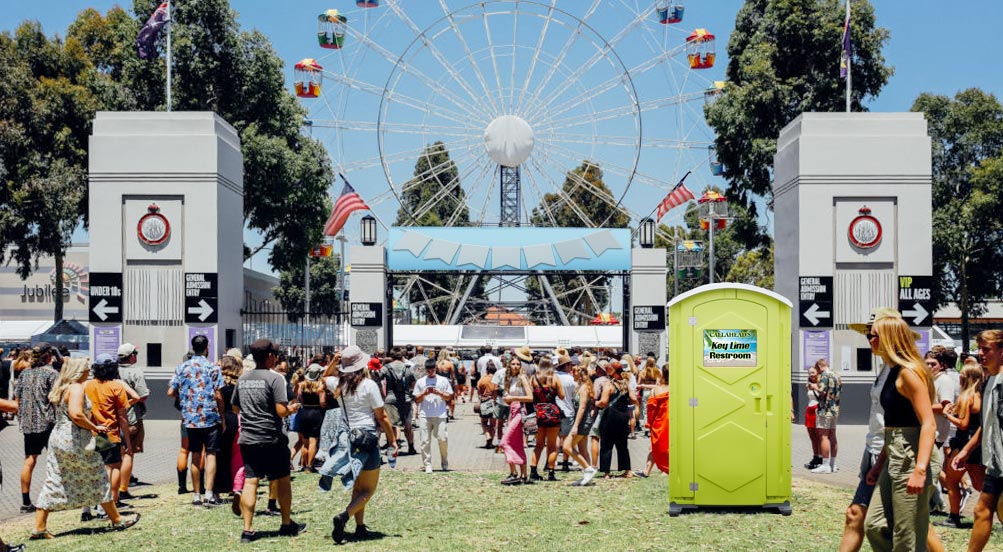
(109, 399)
(829, 389)
(310, 394)
(261, 402)
(870, 469)
(432, 394)
(944, 393)
(36, 414)
(988, 438)
(517, 392)
(581, 423)
(615, 423)
(133, 377)
(362, 405)
(567, 401)
(399, 383)
(196, 384)
(964, 414)
(75, 471)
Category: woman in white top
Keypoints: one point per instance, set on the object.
(362, 405)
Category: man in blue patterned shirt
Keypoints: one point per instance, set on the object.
(196, 384)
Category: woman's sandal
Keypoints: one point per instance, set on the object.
(39, 535)
(122, 525)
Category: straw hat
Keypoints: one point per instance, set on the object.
(524, 353)
(878, 314)
(561, 351)
(235, 353)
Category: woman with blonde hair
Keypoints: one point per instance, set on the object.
(517, 391)
(966, 415)
(75, 473)
(905, 479)
(310, 393)
(574, 444)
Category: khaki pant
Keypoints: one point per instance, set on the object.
(433, 428)
(903, 525)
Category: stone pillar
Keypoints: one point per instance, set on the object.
(166, 231)
(648, 297)
(368, 309)
(853, 231)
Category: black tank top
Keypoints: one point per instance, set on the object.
(898, 409)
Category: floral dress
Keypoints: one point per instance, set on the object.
(74, 477)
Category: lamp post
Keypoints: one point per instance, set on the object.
(713, 216)
(646, 235)
(368, 225)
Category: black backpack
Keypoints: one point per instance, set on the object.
(399, 385)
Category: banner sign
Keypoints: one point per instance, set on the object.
(649, 319)
(508, 249)
(367, 314)
(731, 348)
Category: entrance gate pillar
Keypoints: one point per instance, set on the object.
(645, 318)
(369, 315)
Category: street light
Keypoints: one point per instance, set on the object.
(647, 234)
(713, 216)
(368, 230)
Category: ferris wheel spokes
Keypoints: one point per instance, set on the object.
(445, 190)
(466, 48)
(402, 99)
(616, 112)
(533, 59)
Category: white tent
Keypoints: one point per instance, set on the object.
(536, 337)
(20, 331)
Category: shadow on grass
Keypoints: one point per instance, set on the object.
(373, 536)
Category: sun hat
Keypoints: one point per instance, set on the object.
(314, 371)
(561, 351)
(524, 353)
(236, 354)
(353, 359)
(878, 313)
(126, 350)
(562, 360)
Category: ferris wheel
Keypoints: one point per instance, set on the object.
(531, 99)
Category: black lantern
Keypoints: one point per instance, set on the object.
(368, 230)
(647, 233)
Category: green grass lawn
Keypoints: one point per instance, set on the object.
(471, 511)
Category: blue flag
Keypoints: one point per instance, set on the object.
(146, 42)
(844, 58)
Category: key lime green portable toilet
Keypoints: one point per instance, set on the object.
(730, 401)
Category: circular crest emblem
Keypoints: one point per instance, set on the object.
(865, 230)
(153, 227)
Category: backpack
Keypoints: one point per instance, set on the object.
(548, 414)
(402, 392)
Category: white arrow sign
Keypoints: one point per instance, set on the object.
(918, 314)
(103, 310)
(204, 310)
(814, 315)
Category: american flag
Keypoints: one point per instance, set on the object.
(679, 195)
(348, 202)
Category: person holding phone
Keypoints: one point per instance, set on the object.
(432, 394)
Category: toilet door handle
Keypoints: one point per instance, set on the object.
(758, 404)
(769, 399)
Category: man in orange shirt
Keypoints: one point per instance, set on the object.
(109, 402)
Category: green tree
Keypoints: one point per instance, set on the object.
(967, 135)
(584, 201)
(324, 291)
(435, 197)
(47, 102)
(783, 60)
(754, 267)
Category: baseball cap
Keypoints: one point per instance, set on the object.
(126, 350)
(314, 371)
(104, 359)
(353, 359)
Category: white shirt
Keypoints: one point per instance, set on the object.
(944, 387)
(482, 363)
(567, 404)
(358, 407)
(876, 422)
(432, 406)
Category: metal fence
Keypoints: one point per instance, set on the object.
(299, 334)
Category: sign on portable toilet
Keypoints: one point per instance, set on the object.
(730, 398)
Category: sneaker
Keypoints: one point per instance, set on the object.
(411, 451)
(212, 502)
(551, 476)
(512, 479)
(948, 522)
(271, 512)
(86, 516)
(528, 481)
(248, 537)
(428, 469)
(965, 495)
(183, 490)
(325, 483)
(362, 532)
(197, 501)
(126, 495)
(816, 461)
(824, 468)
(534, 476)
(338, 533)
(235, 504)
(28, 508)
(445, 466)
(640, 473)
(587, 475)
(122, 505)
(292, 529)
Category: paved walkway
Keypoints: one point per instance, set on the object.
(157, 464)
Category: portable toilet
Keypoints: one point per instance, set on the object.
(730, 398)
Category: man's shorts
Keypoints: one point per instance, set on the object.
(826, 421)
(266, 461)
(137, 435)
(566, 423)
(993, 485)
(112, 456)
(864, 491)
(208, 437)
(399, 413)
(35, 442)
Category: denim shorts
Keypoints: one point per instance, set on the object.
(370, 459)
(864, 491)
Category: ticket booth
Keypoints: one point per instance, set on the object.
(730, 405)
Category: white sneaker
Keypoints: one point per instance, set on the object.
(965, 495)
(587, 475)
(824, 468)
(428, 469)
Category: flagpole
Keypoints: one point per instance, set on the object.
(849, 63)
(371, 212)
(169, 25)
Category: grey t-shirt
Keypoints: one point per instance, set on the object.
(256, 394)
(134, 377)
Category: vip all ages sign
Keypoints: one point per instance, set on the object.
(729, 348)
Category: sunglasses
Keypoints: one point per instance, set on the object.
(870, 336)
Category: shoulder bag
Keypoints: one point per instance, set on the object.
(359, 438)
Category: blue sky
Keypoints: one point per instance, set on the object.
(932, 48)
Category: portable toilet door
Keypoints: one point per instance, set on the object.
(730, 398)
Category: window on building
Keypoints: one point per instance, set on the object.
(154, 352)
(864, 359)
